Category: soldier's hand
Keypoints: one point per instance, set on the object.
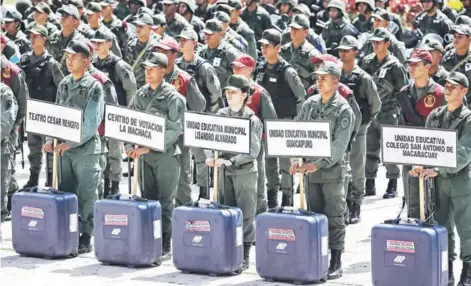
(294, 168)
(61, 148)
(308, 168)
(416, 170)
(428, 173)
(47, 147)
(210, 162)
(222, 162)
(137, 152)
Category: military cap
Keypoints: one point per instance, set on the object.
(370, 3)
(236, 82)
(328, 67)
(13, 15)
(463, 19)
(39, 30)
(348, 43)
(145, 10)
(300, 21)
(222, 16)
(156, 59)
(224, 8)
(382, 14)
(303, 9)
(188, 33)
(236, 4)
(420, 55)
(107, 2)
(212, 26)
(138, 2)
(42, 7)
(271, 36)
(433, 45)
(462, 29)
(78, 47)
(190, 3)
(458, 78)
(76, 3)
(102, 35)
(170, 2)
(93, 8)
(338, 4)
(168, 44)
(159, 21)
(380, 34)
(243, 61)
(69, 10)
(144, 19)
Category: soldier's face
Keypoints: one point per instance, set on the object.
(68, 21)
(143, 31)
(102, 48)
(235, 14)
(347, 55)
(284, 8)
(75, 62)
(182, 9)
(36, 40)
(171, 55)
(454, 93)
(154, 74)
(326, 83)
(427, 4)
(298, 34)
(466, 3)
(212, 39)
(245, 71)
(418, 70)
(187, 45)
(269, 51)
(380, 4)
(333, 13)
(106, 11)
(170, 9)
(380, 23)
(461, 41)
(235, 98)
(362, 8)
(9, 27)
(40, 17)
(380, 46)
(93, 18)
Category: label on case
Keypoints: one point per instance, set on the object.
(157, 229)
(239, 236)
(325, 245)
(445, 261)
(198, 225)
(32, 212)
(281, 234)
(119, 220)
(400, 246)
(73, 222)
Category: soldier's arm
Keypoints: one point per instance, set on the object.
(255, 143)
(20, 89)
(296, 86)
(194, 97)
(56, 72)
(111, 97)
(267, 109)
(400, 52)
(124, 72)
(173, 122)
(342, 133)
(303, 113)
(115, 47)
(213, 85)
(249, 35)
(9, 109)
(400, 76)
(93, 114)
(368, 87)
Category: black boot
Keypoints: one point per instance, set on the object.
(126, 174)
(391, 191)
(287, 200)
(335, 268)
(451, 276)
(8, 216)
(272, 199)
(84, 243)
(465, 279)
(370, 188)
(346, 215)
(33, 181)
(49, 179)
(354, 213)
(114, 190)
(166, 246)
(204, 193)
(247, 247)
(106, 189)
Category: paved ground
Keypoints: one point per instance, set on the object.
(85, 270)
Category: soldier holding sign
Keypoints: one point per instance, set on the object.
(240, 175)
(161, 169)
(417, 100)
(326, 193)
(9, 110)
(453, 184)
(80, 161)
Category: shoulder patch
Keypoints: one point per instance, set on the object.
(345, 121)
(295, 76)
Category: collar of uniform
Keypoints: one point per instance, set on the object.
(220, 46)
(292, 48)
(239, 113)
(386, 58)
(456, 113)
(71, 36)
(430, 85)
(151, 92)
(173, 75)
(333, 100)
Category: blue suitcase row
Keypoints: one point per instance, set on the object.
(292, 244)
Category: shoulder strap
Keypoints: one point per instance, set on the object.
(461, 63)
(141, 54)
(461, 119)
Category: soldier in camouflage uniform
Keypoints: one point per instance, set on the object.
(363, 23)
(285, 9)
(114, 23)
(58, 41)
(12, 23)
(389, 76)
(122, 9)
(256, 17)
(436, 71)
(231, 36)
(9, 110)
(337, 26)
(298, 52)
(187, 9)
(433, 20)
(41, 14)
(83, 28)
(175, 22)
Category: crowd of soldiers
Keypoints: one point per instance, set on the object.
(273, 60)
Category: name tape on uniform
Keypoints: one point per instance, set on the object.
(54, 120)
(419, 146)
(298, 138)
(218, 133)
(134, 126)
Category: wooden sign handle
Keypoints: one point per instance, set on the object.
(215, 178)
(421, 197)
(301, 186)
(135, 184)
(54, 165)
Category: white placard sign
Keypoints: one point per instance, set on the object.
(419, 146)
(288, 138)
(54, 120)
(135, 127)
(214, 132)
